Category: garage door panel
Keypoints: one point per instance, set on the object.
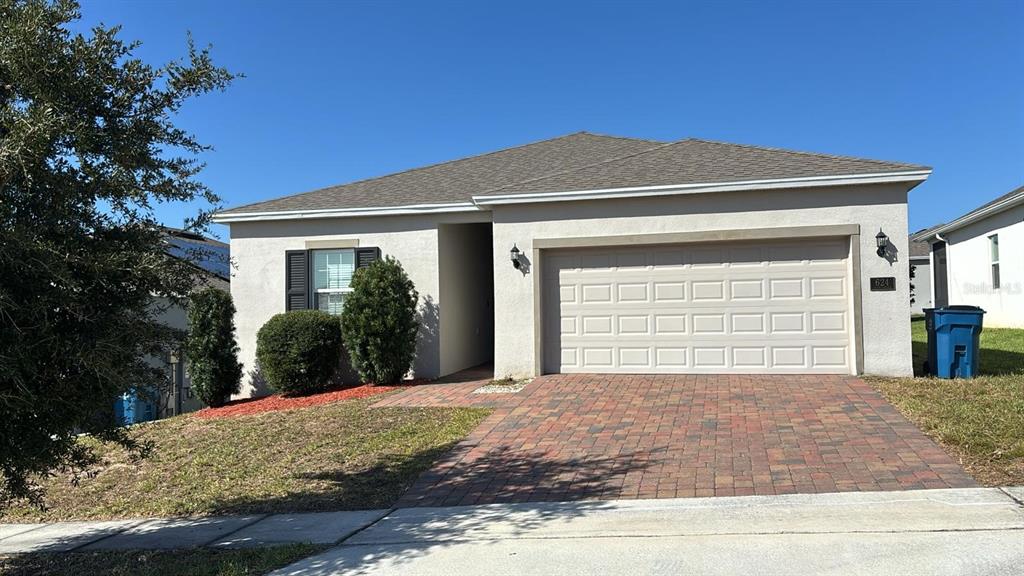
(777, 307)
(667, 292)
(708, 323)
(709, 358)
(670, 324)
(634, 325)
(747, 323)
(708, 290)
(595, 293)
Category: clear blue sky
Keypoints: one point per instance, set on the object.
(338, 91)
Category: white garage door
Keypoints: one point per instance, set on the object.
(778, 307)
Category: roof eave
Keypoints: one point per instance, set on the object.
(971, 218)
(411, 209)
(909, 176)
(483, 202)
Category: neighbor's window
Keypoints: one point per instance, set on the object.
(993, 242)
(332, 275)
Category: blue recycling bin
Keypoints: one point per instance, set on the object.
(133, 408)
(953, 333)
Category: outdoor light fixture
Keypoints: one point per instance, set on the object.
(515, 257)
(882, 241)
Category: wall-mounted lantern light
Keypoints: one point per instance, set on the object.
(883, 243)
(515, 257)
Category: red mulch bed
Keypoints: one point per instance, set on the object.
(278, 402)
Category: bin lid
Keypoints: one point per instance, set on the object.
(963, 308)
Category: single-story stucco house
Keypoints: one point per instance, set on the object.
(976, 260)
(634, 256)
(921, 267)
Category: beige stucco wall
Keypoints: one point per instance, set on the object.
(257, 286)
(886, 326)
(969, 267)
(466, 271)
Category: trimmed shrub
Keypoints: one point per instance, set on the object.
(299, 351)
(211, 352)
(379, 322)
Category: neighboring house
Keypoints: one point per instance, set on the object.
(920, 265)
(634, 256)
(212, 258)
(976, 260)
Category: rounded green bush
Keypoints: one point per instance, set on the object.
(379, 322)
(299, 351)
(211, 352)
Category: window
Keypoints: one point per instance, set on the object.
(993, 243)
(332, 274)
(320, 279)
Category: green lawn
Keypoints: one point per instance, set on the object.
(979, 421)
(196, 562)
(340, 456)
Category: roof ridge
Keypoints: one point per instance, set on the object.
(804, 153)
(571, 170)
(617, 137)
(434, 165)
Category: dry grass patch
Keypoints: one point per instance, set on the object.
(342, 456)
(979, 421)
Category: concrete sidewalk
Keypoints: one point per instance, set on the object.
(220, 532)
(953, 531)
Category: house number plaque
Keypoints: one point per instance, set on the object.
(883, 284)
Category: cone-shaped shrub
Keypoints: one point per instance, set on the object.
(211, 352)
(379, 324)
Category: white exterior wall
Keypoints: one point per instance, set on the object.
(886, 325)
(969, 267)
(922, 285)
(257, 287)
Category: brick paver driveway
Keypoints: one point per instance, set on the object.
(571, 437)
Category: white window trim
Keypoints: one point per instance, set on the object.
(993, 242)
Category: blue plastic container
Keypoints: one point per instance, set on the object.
(953, 334)
(132, 408)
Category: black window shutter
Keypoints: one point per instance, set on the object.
(366, 256)
(296, 280)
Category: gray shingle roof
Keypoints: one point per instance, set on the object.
(694, 161)
(919, 249)
(1011, 194)
(580, 161)
(459, 180)
(1009, 200)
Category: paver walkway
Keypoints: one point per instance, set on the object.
(575, 437)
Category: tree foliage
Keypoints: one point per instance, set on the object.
(379, 323)
(298, 352)
(88, 146)
(211, 351)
